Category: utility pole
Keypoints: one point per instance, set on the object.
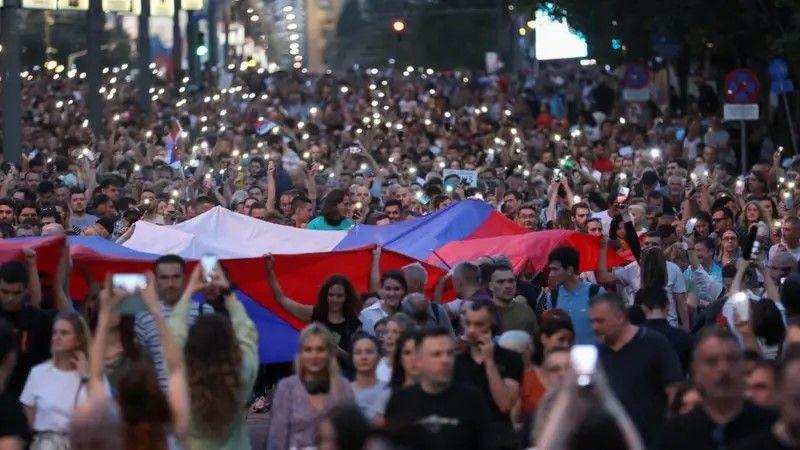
(177, 45)
(145, 72)
(94, 17)
(12, 82)
(192, 43)
(213, 37)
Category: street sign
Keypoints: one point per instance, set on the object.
(120, 6)
(74, 5)
(162, 8)
(779, 74)
(40, 4)
(740, 111)
(191, 5)
(636, 95)
(637, 76)
(666, 47)
(741, 86)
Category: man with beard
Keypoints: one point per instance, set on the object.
(723, 417)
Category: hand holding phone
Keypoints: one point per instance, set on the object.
(131, 284)
(208, 262)
(583, 359)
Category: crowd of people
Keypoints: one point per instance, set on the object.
(693, 343)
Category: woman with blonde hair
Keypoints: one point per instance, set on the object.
(752, 214)
(305, 398)
(56, 386)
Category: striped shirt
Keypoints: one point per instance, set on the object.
(147, 334)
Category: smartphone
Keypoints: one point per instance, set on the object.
(622, 194)
(755, 252)
(690, 226)
(741, 305)
(788, 200)
(131, 283)
(739, 188)
(583, 359)
(208, 262)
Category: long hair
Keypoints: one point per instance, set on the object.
(213, 362)
(653, 268)
(352, 302)
(762, 216)
(127, 331)
(398, 371)
(321, 331)
(145, 410)
(330, 210)
(79, 327)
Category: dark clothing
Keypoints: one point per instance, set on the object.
(696, 431)
(34, 328)
(12, 419)
(453, 419)
(467, 371)
(762, 441)
(639, 374)
(343, 332)
(509, 364)
(680, 340)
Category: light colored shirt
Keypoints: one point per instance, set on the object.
(370, 315)
(372, 400)
(54, 393)
(148, 337)
(246, 334)
(576, 303)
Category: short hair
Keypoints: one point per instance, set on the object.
(653, 297)
(497, 267)
(430, 332)
(494, 315)
(171, 259)
(14, 272)
(299, 201)
(76, 191)
(45, 187)
(416, 270)
(26, 204)
(611, 299)
(725, 211)
(566, 256)
(204, 199)
(467, 273)
(110, 181)
(393, 202)
(707, 242)
(576, 206)
(396, 275)
(256, 205)
(713, 332)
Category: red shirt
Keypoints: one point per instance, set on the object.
(603, 165)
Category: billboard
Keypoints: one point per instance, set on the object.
(555, 39)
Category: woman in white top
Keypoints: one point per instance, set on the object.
(371, 394)
(55, 386)
(396, 325)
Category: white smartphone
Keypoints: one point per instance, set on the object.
(622, 194)
(690, 226)
(741, 304)
(131, 283)
(583, 359)
(208, 262)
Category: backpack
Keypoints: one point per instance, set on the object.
(593, 290)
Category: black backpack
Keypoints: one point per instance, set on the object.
(593, 290)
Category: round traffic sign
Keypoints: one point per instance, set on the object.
(637, 76)
(741, 86)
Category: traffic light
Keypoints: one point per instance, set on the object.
(202, 48)
(398, 28)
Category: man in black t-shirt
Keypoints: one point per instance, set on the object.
(32, 326)
(436, 413)
(640, 364)
(724, 417)
(494, 371)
